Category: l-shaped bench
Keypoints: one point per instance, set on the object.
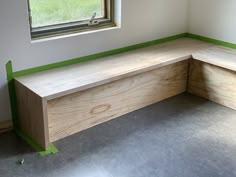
(57, 103)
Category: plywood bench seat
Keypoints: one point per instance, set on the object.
(59, 82)
(219, 56)
(59, 102)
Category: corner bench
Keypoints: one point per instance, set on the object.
(60, 102)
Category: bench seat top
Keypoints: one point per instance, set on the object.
(218, 55)
(70, 79)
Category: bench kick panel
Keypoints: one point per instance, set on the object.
(78, 111)
(213, 83)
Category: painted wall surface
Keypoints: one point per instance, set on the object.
(141, 21)
(213, 18)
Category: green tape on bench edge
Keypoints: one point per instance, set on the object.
(94, 56)
(211, 40)
(51, 149)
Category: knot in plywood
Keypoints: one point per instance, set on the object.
(100, 108)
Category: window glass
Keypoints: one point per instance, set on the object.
(52, 12)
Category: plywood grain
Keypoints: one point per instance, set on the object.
(84, 109)
(32, 113)
(218, 55)
(63, 81)
(212, 82)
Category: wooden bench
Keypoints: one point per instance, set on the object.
(60, 102)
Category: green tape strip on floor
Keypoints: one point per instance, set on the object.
(51, 150)
(210, 40)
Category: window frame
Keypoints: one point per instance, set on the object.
(74, 26)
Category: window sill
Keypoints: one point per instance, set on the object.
(73, 34)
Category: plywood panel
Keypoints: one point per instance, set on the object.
(218, 55)
(32, 115)
(63, 81)
(79, 111)
(212, 82)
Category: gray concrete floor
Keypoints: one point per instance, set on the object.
(184, 136)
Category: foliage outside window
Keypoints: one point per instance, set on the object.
(53, 17)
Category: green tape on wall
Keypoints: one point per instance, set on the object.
(94, 56)
(210, 40)
(12, 95)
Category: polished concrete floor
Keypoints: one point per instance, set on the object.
(184, 136)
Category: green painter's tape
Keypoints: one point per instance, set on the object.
(94, 56)
(11, 88)
(9, 70)
(51, 150)
(12, 94)
(210, 40)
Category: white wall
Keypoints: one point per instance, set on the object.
(213, 18)
(140, 21)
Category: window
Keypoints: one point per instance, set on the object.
(53, 17)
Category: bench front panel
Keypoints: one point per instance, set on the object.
(78, 111)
